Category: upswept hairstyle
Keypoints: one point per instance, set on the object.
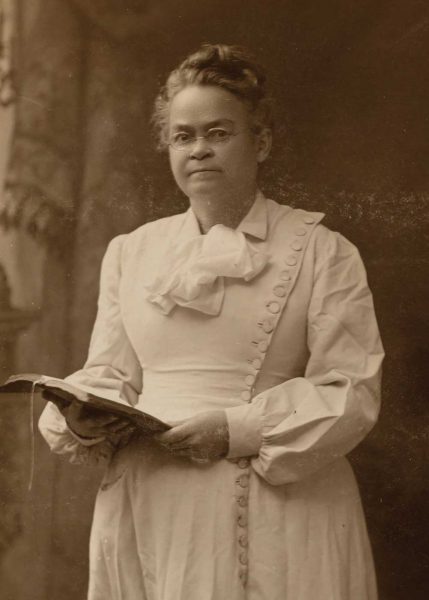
(231, 68)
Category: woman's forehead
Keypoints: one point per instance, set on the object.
(203, 105)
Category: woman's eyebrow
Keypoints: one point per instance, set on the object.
(209, 125)
(181, 127)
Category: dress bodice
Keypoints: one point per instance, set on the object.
(193, 361)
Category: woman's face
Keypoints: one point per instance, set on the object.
(204, 168)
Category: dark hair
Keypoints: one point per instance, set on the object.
(232, 68)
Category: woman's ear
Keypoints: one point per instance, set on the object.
(264, 143)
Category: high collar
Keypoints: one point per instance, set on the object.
(254, 223)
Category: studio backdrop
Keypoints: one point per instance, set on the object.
(350, 83)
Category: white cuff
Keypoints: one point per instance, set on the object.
(245, 430)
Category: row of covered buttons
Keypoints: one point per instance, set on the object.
(280, 289)
(242, 480)
(242, 498)
(274, 306)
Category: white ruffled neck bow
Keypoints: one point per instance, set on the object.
(194, 271)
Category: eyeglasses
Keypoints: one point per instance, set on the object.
(216, 136)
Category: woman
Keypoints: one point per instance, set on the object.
(250, 328)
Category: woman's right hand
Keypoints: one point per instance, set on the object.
(95, 424)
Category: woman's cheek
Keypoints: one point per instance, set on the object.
(179, 174)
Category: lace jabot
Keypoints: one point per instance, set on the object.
(194, 270)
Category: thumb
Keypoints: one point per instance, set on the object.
(175, 434)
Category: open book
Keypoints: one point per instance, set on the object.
(62, 394)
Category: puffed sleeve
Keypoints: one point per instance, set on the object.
(303, 424)
(112, 368)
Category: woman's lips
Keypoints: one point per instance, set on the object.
(203, 171)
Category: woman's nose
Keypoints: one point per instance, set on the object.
(200, 148)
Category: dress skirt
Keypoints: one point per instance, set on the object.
(167, 528)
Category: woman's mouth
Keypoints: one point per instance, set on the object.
(203, 171)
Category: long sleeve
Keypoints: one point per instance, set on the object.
(306, 422)
(112, 369)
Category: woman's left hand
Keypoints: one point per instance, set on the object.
(203, 437)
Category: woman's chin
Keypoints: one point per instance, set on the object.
(205, 187)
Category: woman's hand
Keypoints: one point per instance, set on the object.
(88, 423)
(203, 437)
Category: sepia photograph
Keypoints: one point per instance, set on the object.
(214, 226)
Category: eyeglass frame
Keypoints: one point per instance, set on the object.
(188, 145)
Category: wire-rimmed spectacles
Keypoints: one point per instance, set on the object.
(216, 136)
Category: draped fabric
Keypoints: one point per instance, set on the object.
(43, 166)
(194, 273)
(7, 92)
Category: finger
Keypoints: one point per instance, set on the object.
(176, 434)
(171, 447)
(192, 455)
(185, 452)
(60, 403)
(93, 432)
(202, 461)
(177, 423)
(104, 420)
(178, 447)
(119, 425)
(123, 436)
(102, 425)
(98, 428)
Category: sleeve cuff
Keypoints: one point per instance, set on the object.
(245, 430)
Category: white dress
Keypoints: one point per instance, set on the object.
(274, 323)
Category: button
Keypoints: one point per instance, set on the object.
(243, 480)
(285, 276)
(291, 260)
(250, 379)
(243, 463)
(279, 291)
(242, 520)
(242, 501)
(300, 231)
(263, 346)
(246, 395)
(243, 557)
(243, 576)
(309, 220)
(273, 307)
(243, 541)
(256, 363)
(296, 246)
(268, 325)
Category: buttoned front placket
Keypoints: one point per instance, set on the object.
(301, 226)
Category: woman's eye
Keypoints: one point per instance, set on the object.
(218, 135)
(181, 138)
